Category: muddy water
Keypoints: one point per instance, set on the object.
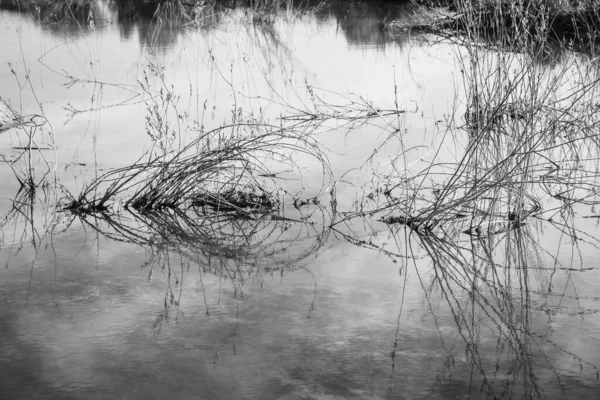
(305, 314)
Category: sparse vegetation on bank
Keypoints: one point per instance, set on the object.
(511, 24)
(93, 14)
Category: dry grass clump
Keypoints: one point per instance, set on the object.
(513, 24)
(218, 170)
(234, 200)
(528, 136)
(228, 168)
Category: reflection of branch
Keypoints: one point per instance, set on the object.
(29, 206)
(224, 244)
(232, 237)
(487, 284)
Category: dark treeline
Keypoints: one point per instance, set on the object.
(360, 22)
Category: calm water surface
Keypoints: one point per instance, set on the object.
(306, 313)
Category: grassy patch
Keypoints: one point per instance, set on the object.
(512, 24)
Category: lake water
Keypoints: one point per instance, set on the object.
(326, 304)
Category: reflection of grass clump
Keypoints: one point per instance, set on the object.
(167, 13)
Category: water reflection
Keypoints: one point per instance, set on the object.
(363, 23)
(504, 302)
(158, 23)
(476, 318)
(466, 277)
